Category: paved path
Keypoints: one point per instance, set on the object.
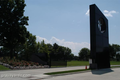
(104, 74)
(37, 74)
(32, 73)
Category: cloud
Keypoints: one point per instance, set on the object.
(75, 47)
(105, 12)
(109, 13)
(87, 13)
(39, 39)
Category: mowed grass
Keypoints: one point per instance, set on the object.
(69, 71)
(83, 63)
(77, 63)
(3, 68)
(114, 62)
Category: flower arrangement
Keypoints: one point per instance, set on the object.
(37, 64)
(17, 63)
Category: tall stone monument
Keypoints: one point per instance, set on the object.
(99, 39)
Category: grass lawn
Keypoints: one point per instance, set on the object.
(115, 62)
(83, 63)
(77, 63)
(3, 68)
(69, 71)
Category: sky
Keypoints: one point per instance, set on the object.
(66, 22)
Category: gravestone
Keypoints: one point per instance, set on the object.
(99, 39)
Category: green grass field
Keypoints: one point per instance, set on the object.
(114, 62)
(69, 71)
(83, 63)
(77, 63)
(3, 68)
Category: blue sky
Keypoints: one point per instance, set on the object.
(66, 22)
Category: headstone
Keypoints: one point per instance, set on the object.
(99, 39)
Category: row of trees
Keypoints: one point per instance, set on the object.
(30, 47)
(114, 51)
(17, 42)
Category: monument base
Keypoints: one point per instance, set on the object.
(93, 66)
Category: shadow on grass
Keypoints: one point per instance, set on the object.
(101, 71)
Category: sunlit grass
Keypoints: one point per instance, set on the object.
(83, 63)
(115, 62)
(3, 68)
(77, 63)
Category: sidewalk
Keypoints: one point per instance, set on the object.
(102, 74)
(33, 74)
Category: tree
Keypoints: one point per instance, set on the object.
(84, 54)
(50, 48)
(112, 52)
(71, 57)
(60, 53)
(67, 53)
(44, 48)
(118, 56)
(55, 47)
(12, 24)
(30, 46)
(76, 58)
(38, 45)
(115, 48)
(24, 51)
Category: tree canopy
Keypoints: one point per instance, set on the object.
(84, 54)
(12, 24)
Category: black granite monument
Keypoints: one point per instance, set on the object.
(99, 39)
